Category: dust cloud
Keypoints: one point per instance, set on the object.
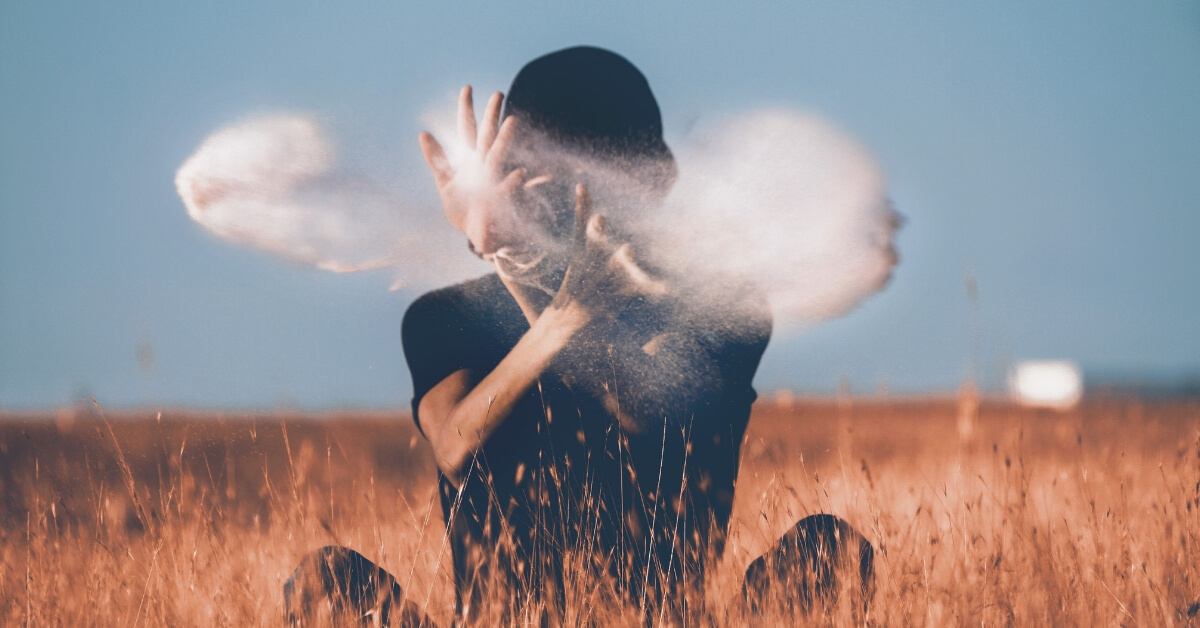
(776, 198)
(787, 202)
(274, 183)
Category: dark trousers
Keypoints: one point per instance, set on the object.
(820, 557)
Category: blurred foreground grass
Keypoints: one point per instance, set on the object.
(980, 512)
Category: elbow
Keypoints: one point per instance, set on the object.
(456, 429)
(453, 458)
(452, 453)
(454, 472)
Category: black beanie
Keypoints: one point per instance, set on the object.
(591, 99)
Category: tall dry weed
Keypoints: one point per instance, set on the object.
(1031, 517)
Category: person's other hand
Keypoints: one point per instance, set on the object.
(602, 275)
(477, 195)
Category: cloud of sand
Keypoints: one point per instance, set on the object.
(274, 183)
(777, 198)
(788, 202)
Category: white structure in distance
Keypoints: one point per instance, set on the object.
(1046, 383)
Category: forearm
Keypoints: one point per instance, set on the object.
(473, 418)
(604, 352)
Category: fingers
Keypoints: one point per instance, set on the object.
(491, 122)
(583, 214)
(597, 228)
(513, 181)
(466, 116)
(641, 282)
(538, 180)
(498, 153)
(590, 228)
(436, 158)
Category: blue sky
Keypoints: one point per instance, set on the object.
(1051, 152)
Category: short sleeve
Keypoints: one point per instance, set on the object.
(435, 343)
(471, 325)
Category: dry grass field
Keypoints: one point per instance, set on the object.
(981, 513)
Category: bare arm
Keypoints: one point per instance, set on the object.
(459, 413)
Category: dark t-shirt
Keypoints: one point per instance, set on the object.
(622, 458)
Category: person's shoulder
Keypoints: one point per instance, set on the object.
(460, 299)
(451, 305)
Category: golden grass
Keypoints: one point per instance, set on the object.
(1087, 517)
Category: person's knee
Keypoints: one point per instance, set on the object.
(818, 558)
(334, 584)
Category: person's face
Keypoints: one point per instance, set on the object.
(546, 203)
(544, 206)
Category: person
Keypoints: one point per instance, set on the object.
(585, 404)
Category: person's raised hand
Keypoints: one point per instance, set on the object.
(476, 193)
(602, 275)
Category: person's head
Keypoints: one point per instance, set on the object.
(587, 115)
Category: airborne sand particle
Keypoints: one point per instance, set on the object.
(774, 197)
(273, 183)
